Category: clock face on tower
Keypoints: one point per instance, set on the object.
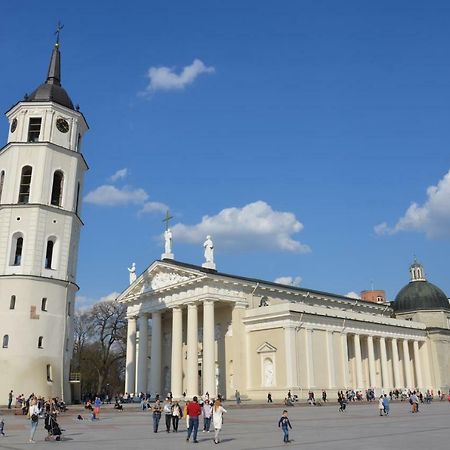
(13, 125)
(62, 125)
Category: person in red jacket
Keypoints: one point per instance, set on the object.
(193, 411)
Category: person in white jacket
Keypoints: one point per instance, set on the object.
(218, 411)
(381, 405)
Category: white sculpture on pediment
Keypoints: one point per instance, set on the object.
(132, 271)
(163, 279)
(209, 250)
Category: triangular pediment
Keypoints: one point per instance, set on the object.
(266, 348)
(159, 276)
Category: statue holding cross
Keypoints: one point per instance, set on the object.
(167, 239)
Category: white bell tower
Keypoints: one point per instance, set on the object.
(41, 182)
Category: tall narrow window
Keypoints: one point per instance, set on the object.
(49, 373)
(2, 181)
(49, 254)
(44, 304)
(78, 198)
(34, 129)
(25, 183)
(12, 302)
(40, 339)
(79, 142)
(5, 341)
(57, 189)
(18, 252)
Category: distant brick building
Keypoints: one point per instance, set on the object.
(375, 296)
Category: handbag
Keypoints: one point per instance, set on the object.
(34, 417)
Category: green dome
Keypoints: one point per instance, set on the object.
(420, 295)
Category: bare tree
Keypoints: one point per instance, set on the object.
(100, 344)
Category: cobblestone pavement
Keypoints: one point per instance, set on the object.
(251, 427)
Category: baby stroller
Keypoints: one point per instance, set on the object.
(51, 425)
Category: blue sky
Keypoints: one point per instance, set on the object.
(309, 138)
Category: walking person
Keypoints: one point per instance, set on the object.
(386, 404)
(176, 416)
(193, 411)
(381, 405)
(207, 414)
(10, 399)
(218, 411)
(285, 424)
(269, 398)
(167, 408)
(34, 419)
(97, 404)
(2, 426)
(156, 413)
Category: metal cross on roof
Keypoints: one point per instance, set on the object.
(59, 27)
(167, 219)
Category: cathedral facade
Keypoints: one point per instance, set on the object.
(194, 330)
(41, 180)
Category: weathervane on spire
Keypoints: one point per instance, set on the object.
(167, 238)
(59, 27)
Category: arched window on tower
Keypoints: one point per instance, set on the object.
(5, 341)
(2, 182)
(57, 189)
(12, 302)
(40, 340)
(25, 184)
(49, 373)
(16, 249)
(49, 254)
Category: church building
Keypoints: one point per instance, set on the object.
(216, 332)
(41, 181)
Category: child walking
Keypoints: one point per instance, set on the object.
(285, 425)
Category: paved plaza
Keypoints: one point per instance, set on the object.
(251, 427)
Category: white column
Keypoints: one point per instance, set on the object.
(309, 358)
(209, 359)
(398, 383)
(176, 377)
(358, 361)
(371, 356)
(142, 363)
(417, 365)
(192, 351)
(409, 382)
(330, 361)
(291, 357)
(155, 355)
(345, 360)
(427, 368)
(130, 375)
(384, 365)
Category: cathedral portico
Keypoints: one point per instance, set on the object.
(222, 332)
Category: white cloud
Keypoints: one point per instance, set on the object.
(353, 295)
(122, 173)
(165, 78)
(84, 302)
(254, 226)
(150, 207)
(432, 218)
(108, 195)
(290, 281)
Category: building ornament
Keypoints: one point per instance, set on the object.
(164, 279)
